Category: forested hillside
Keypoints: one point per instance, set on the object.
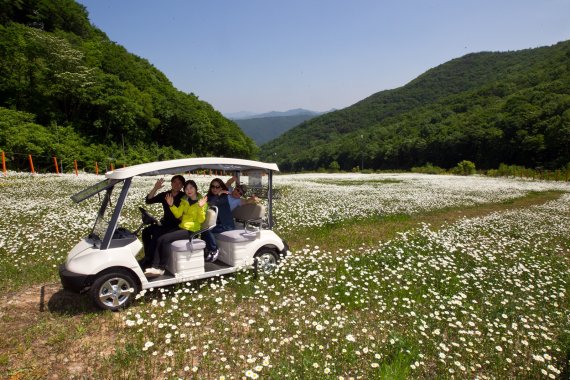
(489, 108)
(67, 90)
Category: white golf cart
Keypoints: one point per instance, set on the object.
(104, 263)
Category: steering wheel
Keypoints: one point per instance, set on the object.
(146, 219)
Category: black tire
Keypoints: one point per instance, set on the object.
(265, 261)
(114, 290)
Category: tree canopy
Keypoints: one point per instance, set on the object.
(58, 72)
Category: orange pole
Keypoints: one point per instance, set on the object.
(75, 164)
(55, 164)
(112, 167)
(4, 165)
(31, 163)
(96, 168)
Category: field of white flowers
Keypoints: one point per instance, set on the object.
(483, 297)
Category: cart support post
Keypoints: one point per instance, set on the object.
(270, 199)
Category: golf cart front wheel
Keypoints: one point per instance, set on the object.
(114, 290)
(265, 261)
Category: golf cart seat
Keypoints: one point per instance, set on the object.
(234, 244)
(248, 214)
(248, 221)
(187, 256)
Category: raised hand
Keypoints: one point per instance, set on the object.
(169, 199)
(203, 201)
(159, 183)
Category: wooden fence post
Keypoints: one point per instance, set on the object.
(75, 165)
(55, 164)
(4, 165)
(96, 168)
(31, 164)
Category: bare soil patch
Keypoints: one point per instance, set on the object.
(48, 332)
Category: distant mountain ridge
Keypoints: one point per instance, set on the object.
(252, 115)
(270, 125)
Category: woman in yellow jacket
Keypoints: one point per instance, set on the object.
(192, 213)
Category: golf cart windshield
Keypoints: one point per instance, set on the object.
(105, 215)
(93, 190)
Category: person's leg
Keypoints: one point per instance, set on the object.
(210, 241)
(150, 236)
(211, 252)
(147, 234)
(156, 249)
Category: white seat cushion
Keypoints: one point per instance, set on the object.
(185, 245)
(236, 236)
(187, 259)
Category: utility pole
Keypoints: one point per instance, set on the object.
(362, 153)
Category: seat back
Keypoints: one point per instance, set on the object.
(248, 212)
(210, 221)
(250, 217)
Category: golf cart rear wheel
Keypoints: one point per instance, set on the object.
(265, 261)
(114, 290)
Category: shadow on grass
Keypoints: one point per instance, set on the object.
(65, 302)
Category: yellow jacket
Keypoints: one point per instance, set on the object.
(192, 214)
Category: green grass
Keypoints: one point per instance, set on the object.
(344, 309)
(368, 231)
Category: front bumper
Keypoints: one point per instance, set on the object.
(74, 281)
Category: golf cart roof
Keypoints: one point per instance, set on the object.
(188, 164)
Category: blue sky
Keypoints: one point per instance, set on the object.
(268, 55)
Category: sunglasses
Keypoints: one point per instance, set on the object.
(215, 187)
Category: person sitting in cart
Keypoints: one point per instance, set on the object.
(168, 223)
(218, 196)
(192, 212)
(236, 193)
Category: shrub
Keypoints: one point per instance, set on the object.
(465, 167)
(334, 167)
(428, 169)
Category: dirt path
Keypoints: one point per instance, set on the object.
(46, 332)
